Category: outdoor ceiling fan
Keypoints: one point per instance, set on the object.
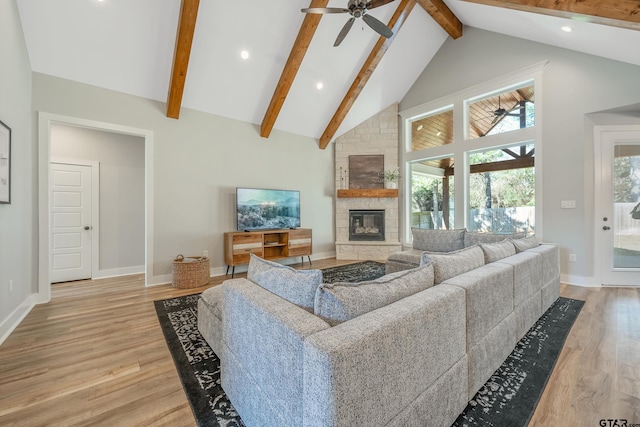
(500, 112)
(357, 9)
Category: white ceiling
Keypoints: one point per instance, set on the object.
(127, 46)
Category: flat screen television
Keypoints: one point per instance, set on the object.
(262, 209)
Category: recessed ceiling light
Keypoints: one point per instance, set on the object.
(244, 54)
(567, 29)
(419, 127)
(319, 85)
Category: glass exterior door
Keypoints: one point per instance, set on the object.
(626, 206)
(618, 221)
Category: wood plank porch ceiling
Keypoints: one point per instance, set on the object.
(437, 129)
(620, 13)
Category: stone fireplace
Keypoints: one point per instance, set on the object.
(366, 225)
(376, 233)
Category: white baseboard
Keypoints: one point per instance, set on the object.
(163, 279)
(587, 282)
(11, 323)
(166, 279)
(115, 272)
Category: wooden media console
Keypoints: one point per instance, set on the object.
(267, 244)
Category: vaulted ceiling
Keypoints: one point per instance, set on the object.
(188, 53)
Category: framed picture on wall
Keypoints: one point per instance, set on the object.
(365, 171)
(5, 163)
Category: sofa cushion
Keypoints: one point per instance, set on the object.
(454, 263)
(296, 286)
(476, 238)
(213, 299)
(489, 295)
(404, 260)
(339, 302)
(526, 243)
(438, 240)
(497, 251)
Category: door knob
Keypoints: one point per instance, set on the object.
(606, 228)
(86, 227)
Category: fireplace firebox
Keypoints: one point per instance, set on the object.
(367, 225)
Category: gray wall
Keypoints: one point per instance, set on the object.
(18, 221)
(574, 85)
(198, 161)
(122, 217)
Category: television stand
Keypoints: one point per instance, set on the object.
(267, 244)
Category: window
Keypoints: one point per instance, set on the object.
(432, 194)
(506, 111)
(433, 130)
(481, 142)
(626, 194)
(502, 190)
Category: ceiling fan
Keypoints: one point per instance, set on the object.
(500, 112)
(357, 9)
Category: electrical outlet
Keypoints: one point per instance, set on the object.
(572, 257)
(10, 286)
(206, 254)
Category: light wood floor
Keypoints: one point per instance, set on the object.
(95, 355)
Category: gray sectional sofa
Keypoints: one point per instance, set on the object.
(410, 348)
(440, 241)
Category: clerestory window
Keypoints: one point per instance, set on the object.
(482, 143)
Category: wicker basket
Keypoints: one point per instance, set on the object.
(190, 274)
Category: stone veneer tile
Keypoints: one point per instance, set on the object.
(377, 135)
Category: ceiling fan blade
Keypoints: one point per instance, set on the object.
(324, 10)
(377, 26)
(344, 31)
(377, 3)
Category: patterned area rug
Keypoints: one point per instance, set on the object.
(508, 399)
(512, 393)
(198, 366)
(358, 272)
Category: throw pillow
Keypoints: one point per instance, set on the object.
(438, 240)
(296, 286)
(446, 266)
(475, 238)
(497, 251)
(339, 302)
(526, 243)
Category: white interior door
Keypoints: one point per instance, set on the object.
(617, 230)
(70, 222)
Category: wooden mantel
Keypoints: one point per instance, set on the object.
(368, 193)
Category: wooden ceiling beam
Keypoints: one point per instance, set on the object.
(370, 64)
(519, 163)
(298, 51)
(616, 13)
(184, 38)
(441, 13)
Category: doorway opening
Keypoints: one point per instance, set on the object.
(45, 122)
